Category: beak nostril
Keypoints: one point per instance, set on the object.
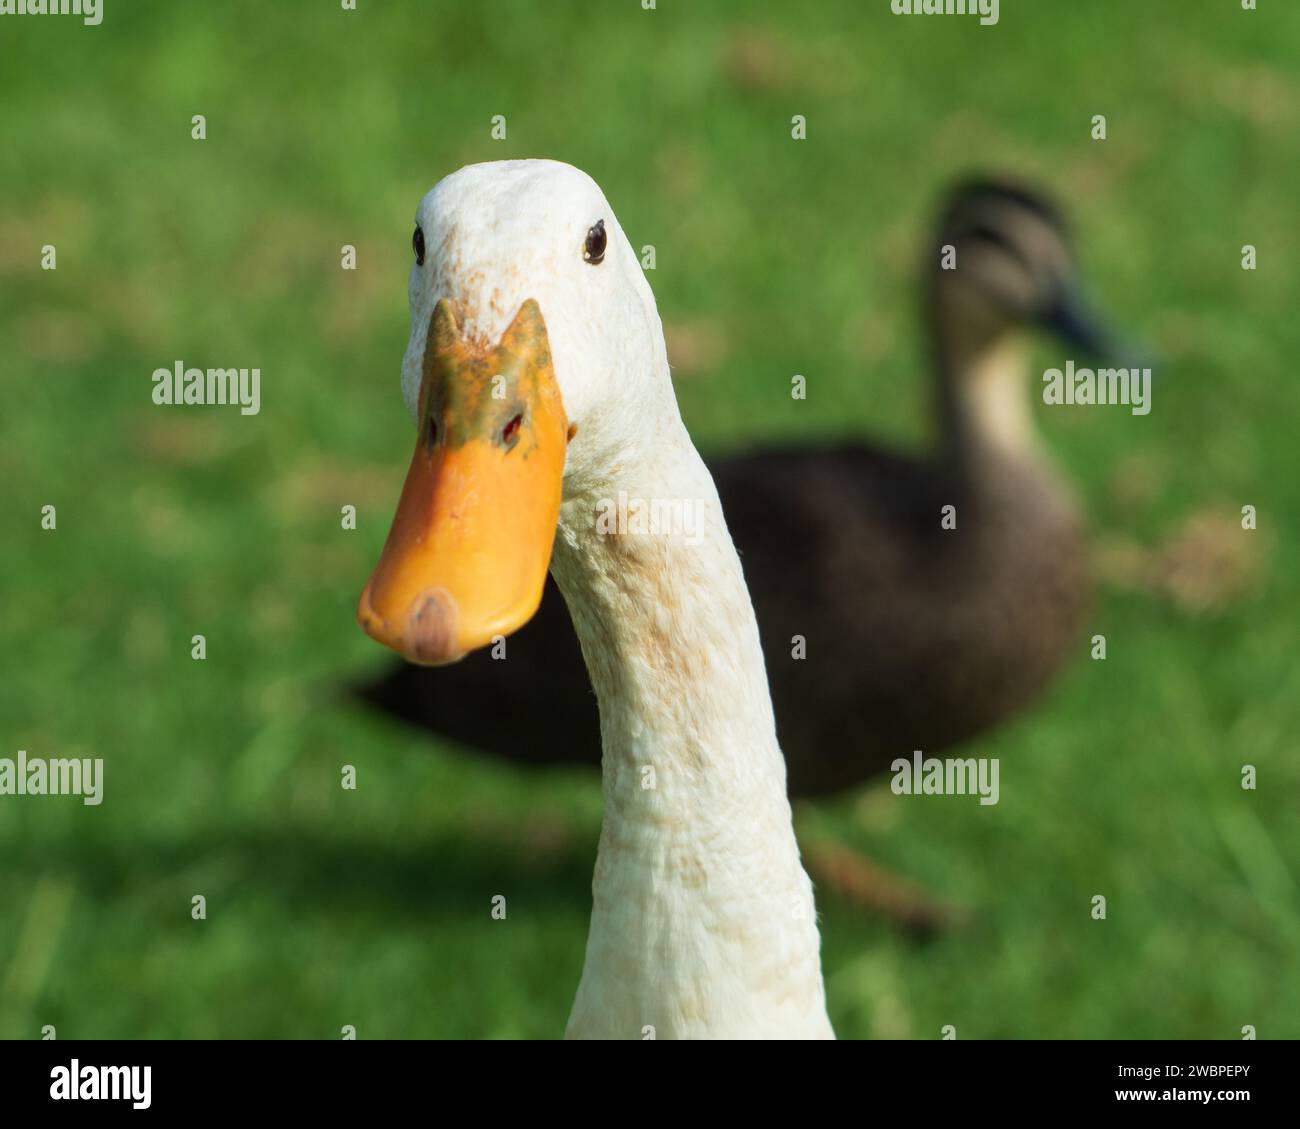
(431, 432)
(510, 433)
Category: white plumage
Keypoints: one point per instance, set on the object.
(703, 922)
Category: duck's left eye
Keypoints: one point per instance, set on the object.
(417, 243)
(594, 249)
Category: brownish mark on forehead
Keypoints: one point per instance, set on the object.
(471, 389)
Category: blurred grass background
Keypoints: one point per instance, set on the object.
(328, 907)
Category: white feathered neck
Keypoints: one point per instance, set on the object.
(703, 922)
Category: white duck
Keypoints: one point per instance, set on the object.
(537, 374)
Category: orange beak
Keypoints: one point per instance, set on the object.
(469, 547)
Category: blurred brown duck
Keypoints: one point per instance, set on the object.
(916, 636)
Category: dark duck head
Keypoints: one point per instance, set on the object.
(1000, 268)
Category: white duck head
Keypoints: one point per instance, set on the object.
(536, 358)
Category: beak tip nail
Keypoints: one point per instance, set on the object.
(432, 629)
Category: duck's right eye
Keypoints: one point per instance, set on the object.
(417, 243)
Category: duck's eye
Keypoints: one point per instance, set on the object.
(594, 249)
(417, 243)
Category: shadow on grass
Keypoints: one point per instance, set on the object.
(306, 871)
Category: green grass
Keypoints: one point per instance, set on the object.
(328, 907)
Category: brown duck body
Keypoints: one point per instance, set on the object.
(915, 636)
